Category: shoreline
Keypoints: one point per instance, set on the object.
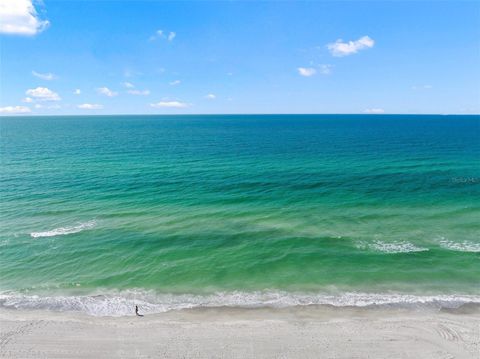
(295, 332)
(120, 303)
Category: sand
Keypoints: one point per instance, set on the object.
(308, 332)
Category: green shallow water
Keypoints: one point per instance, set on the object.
(207, 204)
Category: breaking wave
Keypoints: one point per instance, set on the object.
(393, 247)
(61, 231)
(123, 303)
(465, 246)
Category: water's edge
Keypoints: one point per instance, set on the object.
(123, 303)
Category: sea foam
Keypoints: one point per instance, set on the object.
(123, 303)
(464, 246)
(392, 247)
(65, 230)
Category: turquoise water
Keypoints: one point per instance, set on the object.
(180, 211)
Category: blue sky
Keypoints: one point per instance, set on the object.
(111, 57)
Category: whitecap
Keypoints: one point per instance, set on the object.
(464, 246)
(65, 230)
(393, 247)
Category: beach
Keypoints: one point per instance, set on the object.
(299, 332)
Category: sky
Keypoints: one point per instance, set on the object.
(156, 57)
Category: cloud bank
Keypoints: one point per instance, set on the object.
(90, 106)
(170, 104)
(374, 111)
(14, 109)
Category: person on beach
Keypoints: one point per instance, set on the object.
(136, 312)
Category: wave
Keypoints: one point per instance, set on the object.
(393, 247)
(465, 246)
(123, 303)
(61, 231)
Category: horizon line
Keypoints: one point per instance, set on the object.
(240, 114)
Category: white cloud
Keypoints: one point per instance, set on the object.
(160, 34)
(48, 107)
(139, 92)
(19, 17)
(106, 92)
(43, 94)
(131, 86)
(175, 82)
(47, 76)
(340, 48)
(171, 104)
(27, 100)
(422, 87)
(15, 109)
(306, 71)
(374, 111)
(131, 73)
(210, 96)
(325, 69)
(77, 92)
(90, 106)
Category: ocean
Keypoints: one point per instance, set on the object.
(99, 213)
